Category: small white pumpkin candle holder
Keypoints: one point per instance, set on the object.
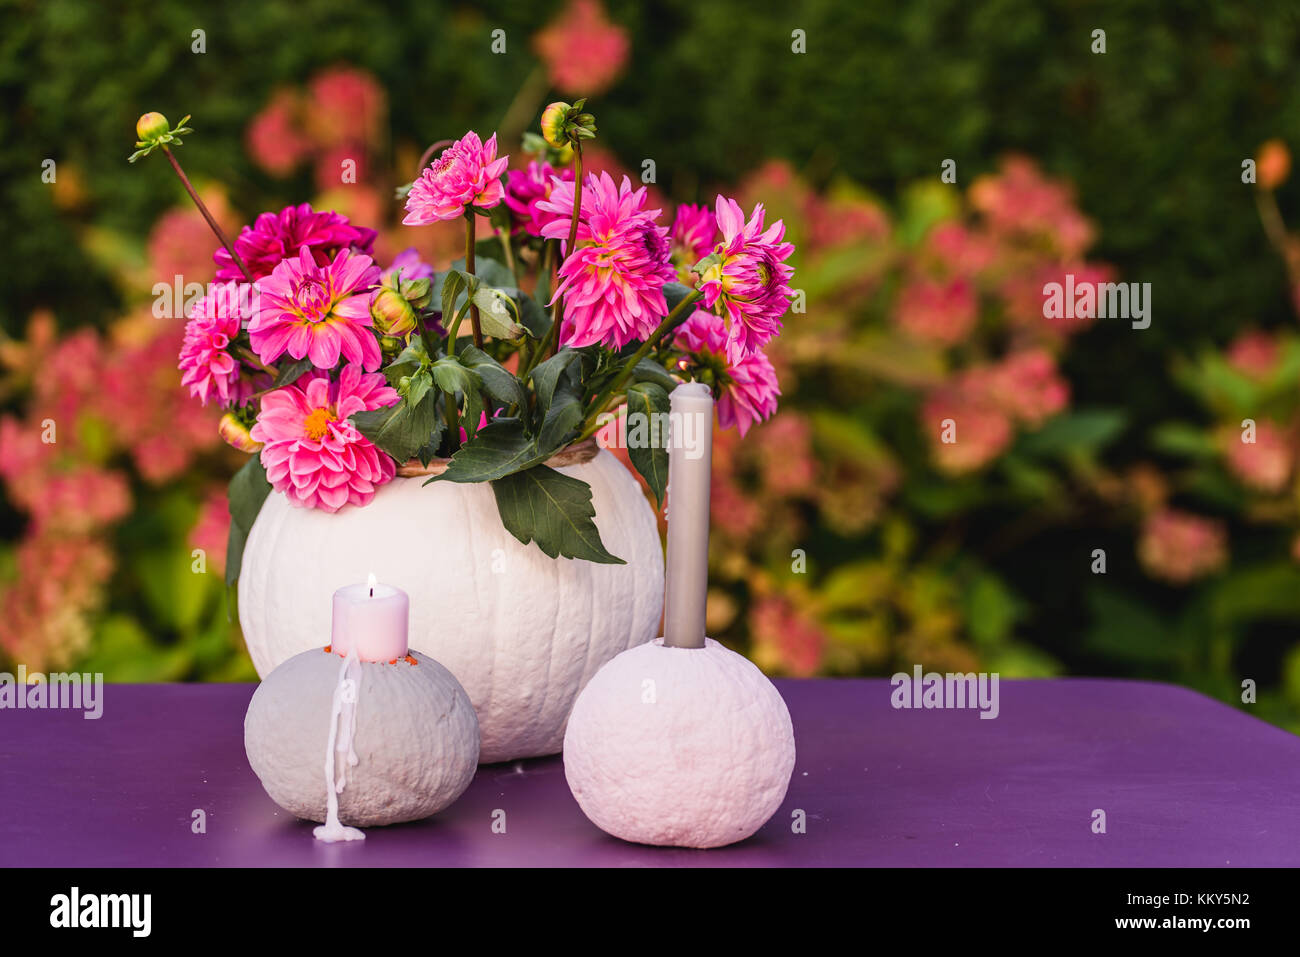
(362, 732)
(681, 742)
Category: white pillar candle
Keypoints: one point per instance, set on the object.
(371, 618)
(690, 466)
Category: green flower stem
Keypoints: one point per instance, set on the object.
(543, 345)
(452, 332)
(671, 322)
(557, 311)
(595, 425)
(504, 236)
(212, 223)
(469, 268)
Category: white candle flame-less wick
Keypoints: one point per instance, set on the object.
(372, 582)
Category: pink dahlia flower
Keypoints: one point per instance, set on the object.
(464, 175)
(526, 188)
(206, 365)
(695, 232)
(748, 385)
(750, 279)
(275, 237)
(311, 452)
(318, 311)
(613, 281)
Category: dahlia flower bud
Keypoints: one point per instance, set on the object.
(236, 434)
(392, 313)
(418, 292)
(151, 125)
(564, 124)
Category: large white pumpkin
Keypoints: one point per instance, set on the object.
(522, 633)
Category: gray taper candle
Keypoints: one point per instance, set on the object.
(690, 463)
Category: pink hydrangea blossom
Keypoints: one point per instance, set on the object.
(748, 388)
(465, 174)
(942, 312)
(211, 529)
(1026, 385)
(750, 279)
(786, 637)
(311, 452)
(1264, 463)
(274, 237)
(1180, 547)
(1022, 203)
(1255, 354)
(318, 312)
(965, 427)
(583, 51)
(612, 283)
(528, 187)
(959, 249)
(206, 364)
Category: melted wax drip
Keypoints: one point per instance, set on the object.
(343, 723)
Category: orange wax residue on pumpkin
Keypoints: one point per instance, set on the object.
(411, 661)
(329, 648)
(393, 662)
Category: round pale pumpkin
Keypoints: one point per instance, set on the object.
(684, 747)
(521, 632)
(415, 738)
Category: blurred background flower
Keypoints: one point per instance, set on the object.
(951, 479)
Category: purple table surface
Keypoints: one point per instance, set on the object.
(1184, 781)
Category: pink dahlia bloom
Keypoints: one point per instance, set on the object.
(320, 312)
(750, 279)
(465, 174)
(583, 51)
(695, 231)
(526, 188)
(311, 452)
(613, 281)
(206, 366)
(275, 237)
(748, 386)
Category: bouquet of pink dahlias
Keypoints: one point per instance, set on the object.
(578, 306)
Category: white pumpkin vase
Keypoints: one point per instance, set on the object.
(523, 633)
